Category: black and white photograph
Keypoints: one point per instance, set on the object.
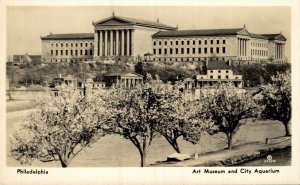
(202, 89)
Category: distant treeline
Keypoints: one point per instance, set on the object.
(253, 74)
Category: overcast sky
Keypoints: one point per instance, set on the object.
(26, 24)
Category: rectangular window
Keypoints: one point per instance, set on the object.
(80, 52)
(199, 41)
(61, 52)
(194, 42)
(159, 42)
(224, 50)
(176, 42)
(56, 45)
(154, 43)
(187, 50)
(219, 77)
(171, 51)
(194, 50)
(165, 51)
(224, 42)
(199, 50)
(154, 51)
(218, 50)
(56, 52)
(71, 52)
(62, 45)
(226, 76)
(51, 52)
(67, 52)
(182, 42)
(76, 44)
(159, 51)
(218, 41)
(76, 52)
(211, 50)
(86, 52)
(176, 50)
(171, 43)
(211, 41)
(81, 45)
(66, 44)
(86, 44)
(182, 50)
(188, 42)
(166, 43)
(205, 42)
(91, 52)
(71, 44)
(205, 50)
(211, 76)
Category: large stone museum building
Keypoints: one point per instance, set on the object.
(117, 38)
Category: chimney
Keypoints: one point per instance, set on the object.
(229, 62)
(59, 75)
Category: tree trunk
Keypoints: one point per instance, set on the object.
(229, 140)
(63, 164)
(173, 143)
(287, 132)
(175, 146)
(143, 158)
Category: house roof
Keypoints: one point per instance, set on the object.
(276, 36)
(217, 65)
(188, 33)
(258, 36)
(68, 36)
(117, 20)
(125, 74)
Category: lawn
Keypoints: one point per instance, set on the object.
(114, 151)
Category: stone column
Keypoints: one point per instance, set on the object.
(122, 43)
(131, 42)
(105, 44)
(96, 42)
(111, 41)
(128, 42)
(238, 47)
(101, 43)
(117, 42)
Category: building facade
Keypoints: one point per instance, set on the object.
(218, 44)
(60, 48)
(125, 80)
(215, 72)
(121, 37)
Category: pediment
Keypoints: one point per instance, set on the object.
(243, 32)
(280, 37)
(132, 75)
(112, 21)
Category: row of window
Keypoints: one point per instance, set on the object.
(72, 52)
(68, 60)
(72, 44)
(188, 42)
(219, 71)
(259, 52)
(181, 51)
(258, 44)
(184, 59)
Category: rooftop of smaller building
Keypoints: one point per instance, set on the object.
(68, 36)
(214, 65)
(124, 74)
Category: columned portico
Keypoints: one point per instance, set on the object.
(116, 42)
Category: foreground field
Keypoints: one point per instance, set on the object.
(114, 151)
